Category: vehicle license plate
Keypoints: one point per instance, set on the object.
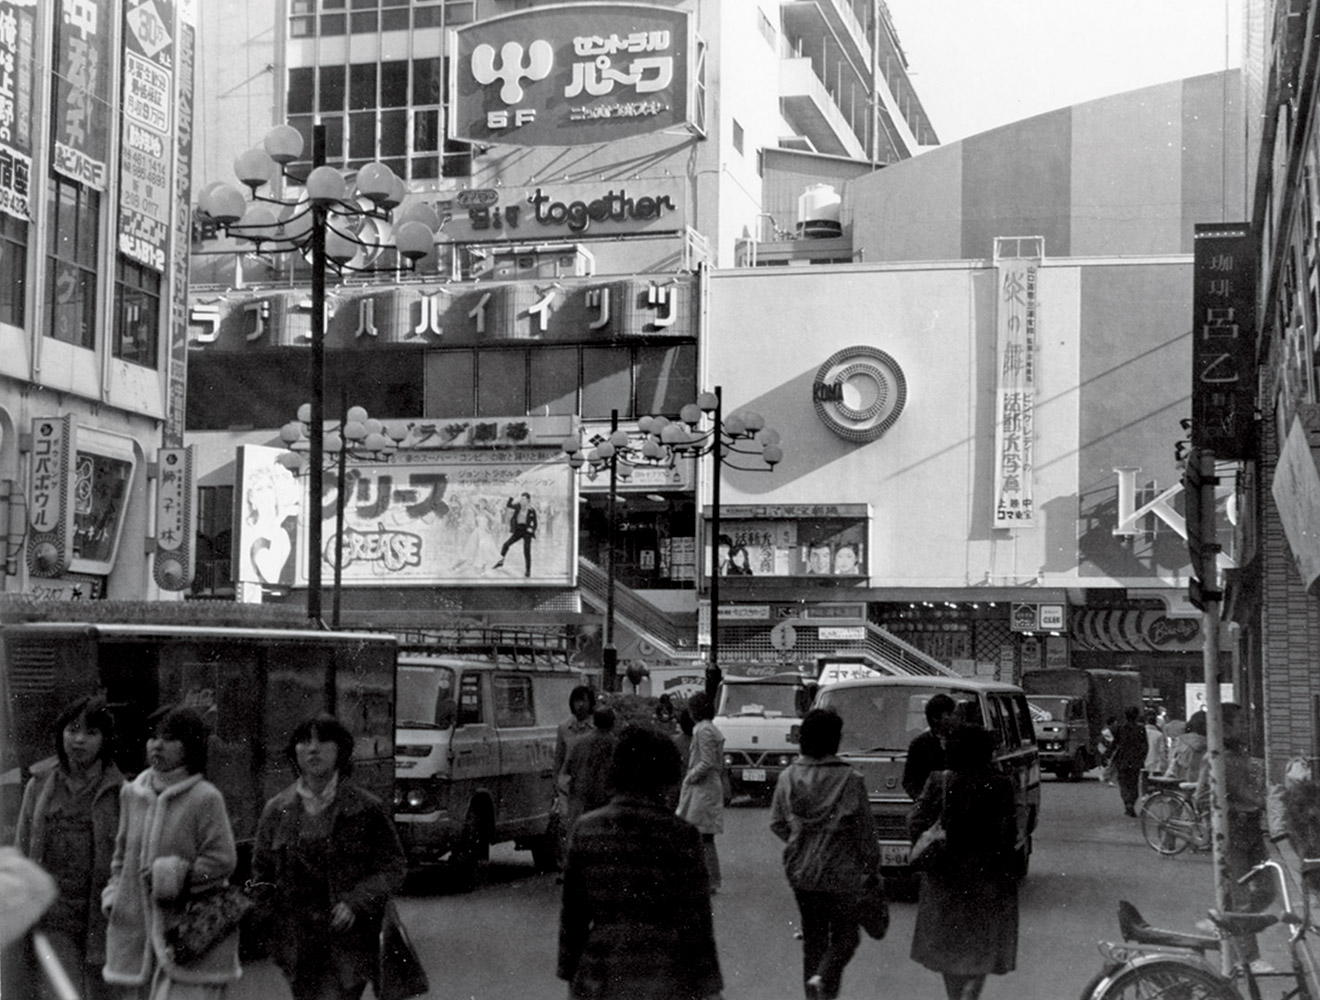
(753, 774)
(894, 855)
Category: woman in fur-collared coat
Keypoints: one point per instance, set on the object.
(331, 852)
(174, 842)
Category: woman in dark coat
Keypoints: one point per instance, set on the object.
(635, 922)
(67, 824)
(331, 851)
(1130, 749)
(967, 914)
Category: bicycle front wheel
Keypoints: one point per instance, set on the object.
(1167, 823)
(1164, 979)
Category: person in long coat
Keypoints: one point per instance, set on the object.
(67, 824)
(821, 811)
(1130, 749)
(174, 842)
(701, 798)
(635, 923)
(967, 910)
(330, 850)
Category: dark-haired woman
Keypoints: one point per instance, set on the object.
(636, 921)
(332, 853)
(967, 913)
(174, 843)
(67, 824)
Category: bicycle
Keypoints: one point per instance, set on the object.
(1170, 820)
(1171, 965)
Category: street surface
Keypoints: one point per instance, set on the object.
(499, 942)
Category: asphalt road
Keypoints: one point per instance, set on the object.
(498, 943)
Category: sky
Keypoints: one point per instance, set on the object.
(979, 64)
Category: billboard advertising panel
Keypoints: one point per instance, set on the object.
(571, 74)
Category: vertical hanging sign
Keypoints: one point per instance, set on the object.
(17, 34)
(175, 559)
(81, 114)
(1224, 340)
(172, 435)
(1015, 416)
(50, 500)
(145, 146)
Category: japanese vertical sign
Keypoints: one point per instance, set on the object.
(50, 499)
(1224, 340)
(1015, 417)
(17, 34)
(81, 114)
(145, 146)
(177, 334)
(175, 559)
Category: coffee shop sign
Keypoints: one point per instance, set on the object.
(563, 210)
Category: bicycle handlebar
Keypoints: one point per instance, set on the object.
(1288, 916)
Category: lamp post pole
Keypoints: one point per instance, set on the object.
(610, 655)
(340, 476)
(317, 428)
(713, 675)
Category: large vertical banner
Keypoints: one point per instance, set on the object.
(50, 497)
(17, 36)
(1224, 340)
(177, 332)
(1015, 416)
(145, 143)
(268, 505)
(81, 114)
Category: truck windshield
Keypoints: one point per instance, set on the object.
(759, 699)
(1049, 709)
(425, 698)
(880, 719)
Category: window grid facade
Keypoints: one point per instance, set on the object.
(13, 269)
(73, 212)
(137, 312)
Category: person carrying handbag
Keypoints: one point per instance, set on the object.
(831, 856)
(967, 911)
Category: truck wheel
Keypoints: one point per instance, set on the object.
(468, 854)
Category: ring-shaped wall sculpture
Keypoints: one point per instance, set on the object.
(859, 393)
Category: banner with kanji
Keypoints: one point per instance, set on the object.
(1015, 414)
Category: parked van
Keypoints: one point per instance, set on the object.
(882, 715)
(760, 713)
(474, 757)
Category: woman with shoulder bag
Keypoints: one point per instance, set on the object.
(967, 912)
(174, 844)
(331, 852)
(822, 813)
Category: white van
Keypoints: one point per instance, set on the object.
(474, 757)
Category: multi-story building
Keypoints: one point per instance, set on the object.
(95, 160)
(566, 287)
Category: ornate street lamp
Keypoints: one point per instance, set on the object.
(326, 224)
(356, 436)
(662, 442)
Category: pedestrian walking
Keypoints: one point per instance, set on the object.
(581, 705)
(174, 842)
(588, 767)
(1130, 749)
(330, 850)
(701, 798)
(926, 751)
(635, 923)
(1106, 751)
(1188, 750)
(967, 910)
(67, 824)
(1157, 745)
(821, 811)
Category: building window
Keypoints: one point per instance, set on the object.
(13, 269)
(73, 211)
(137, 312)
(215, 515)
(737, 136)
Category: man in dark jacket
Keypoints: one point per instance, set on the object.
(926, 752)
(1130, 748)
